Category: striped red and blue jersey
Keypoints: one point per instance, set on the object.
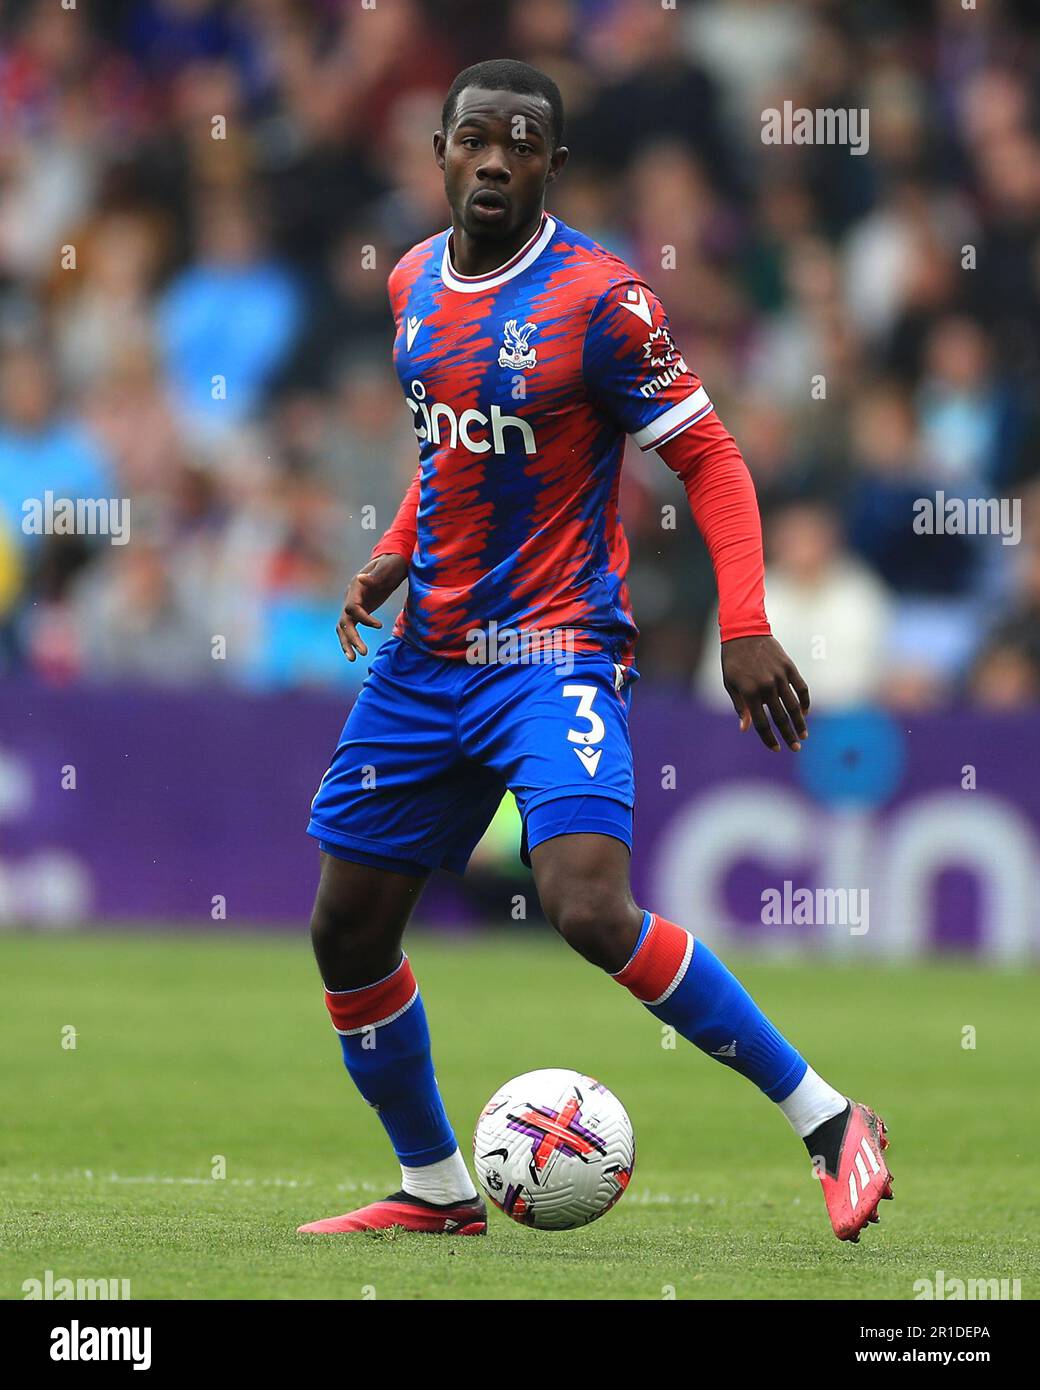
(522, 385)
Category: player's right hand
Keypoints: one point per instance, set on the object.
(371, 586)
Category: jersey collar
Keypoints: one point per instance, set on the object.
(516, 265)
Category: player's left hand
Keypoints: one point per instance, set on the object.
(759, 676)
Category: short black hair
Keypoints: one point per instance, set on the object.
(507, 75)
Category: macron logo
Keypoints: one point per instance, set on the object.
(635, 302)
(590, 757)
(411, 328)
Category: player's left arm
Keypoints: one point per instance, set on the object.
(636, 374)
(758, 674)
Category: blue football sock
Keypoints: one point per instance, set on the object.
(386, 1047)
(686, 986)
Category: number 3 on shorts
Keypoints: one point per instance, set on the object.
(585, 694)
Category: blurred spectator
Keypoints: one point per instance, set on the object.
(10, 586)
(1006, 674)
(830, 612)
(196, 318)
(1006, 671)
(890, 471)
(346, 314)
(937, 613)
(227, 322)
(41, 449)
(133, 621)
(105, 314)
(969, 421)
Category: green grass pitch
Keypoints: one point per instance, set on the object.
(188, 1048)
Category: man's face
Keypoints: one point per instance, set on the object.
(496, 160)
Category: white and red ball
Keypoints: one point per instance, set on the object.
(554, 1149)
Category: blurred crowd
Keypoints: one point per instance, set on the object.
(199, 206)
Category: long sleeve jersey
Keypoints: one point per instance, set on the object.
(523, 384)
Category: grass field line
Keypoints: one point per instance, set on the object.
(635, 1199)
(170, 1180)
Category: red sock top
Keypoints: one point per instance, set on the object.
(660, 962)
(353, 1010)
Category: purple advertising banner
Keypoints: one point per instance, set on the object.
(887, 834)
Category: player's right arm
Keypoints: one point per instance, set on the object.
(376, 581)
(387, 567)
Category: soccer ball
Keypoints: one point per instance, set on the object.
(554, 1149)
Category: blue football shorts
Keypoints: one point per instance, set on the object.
(431, 746)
